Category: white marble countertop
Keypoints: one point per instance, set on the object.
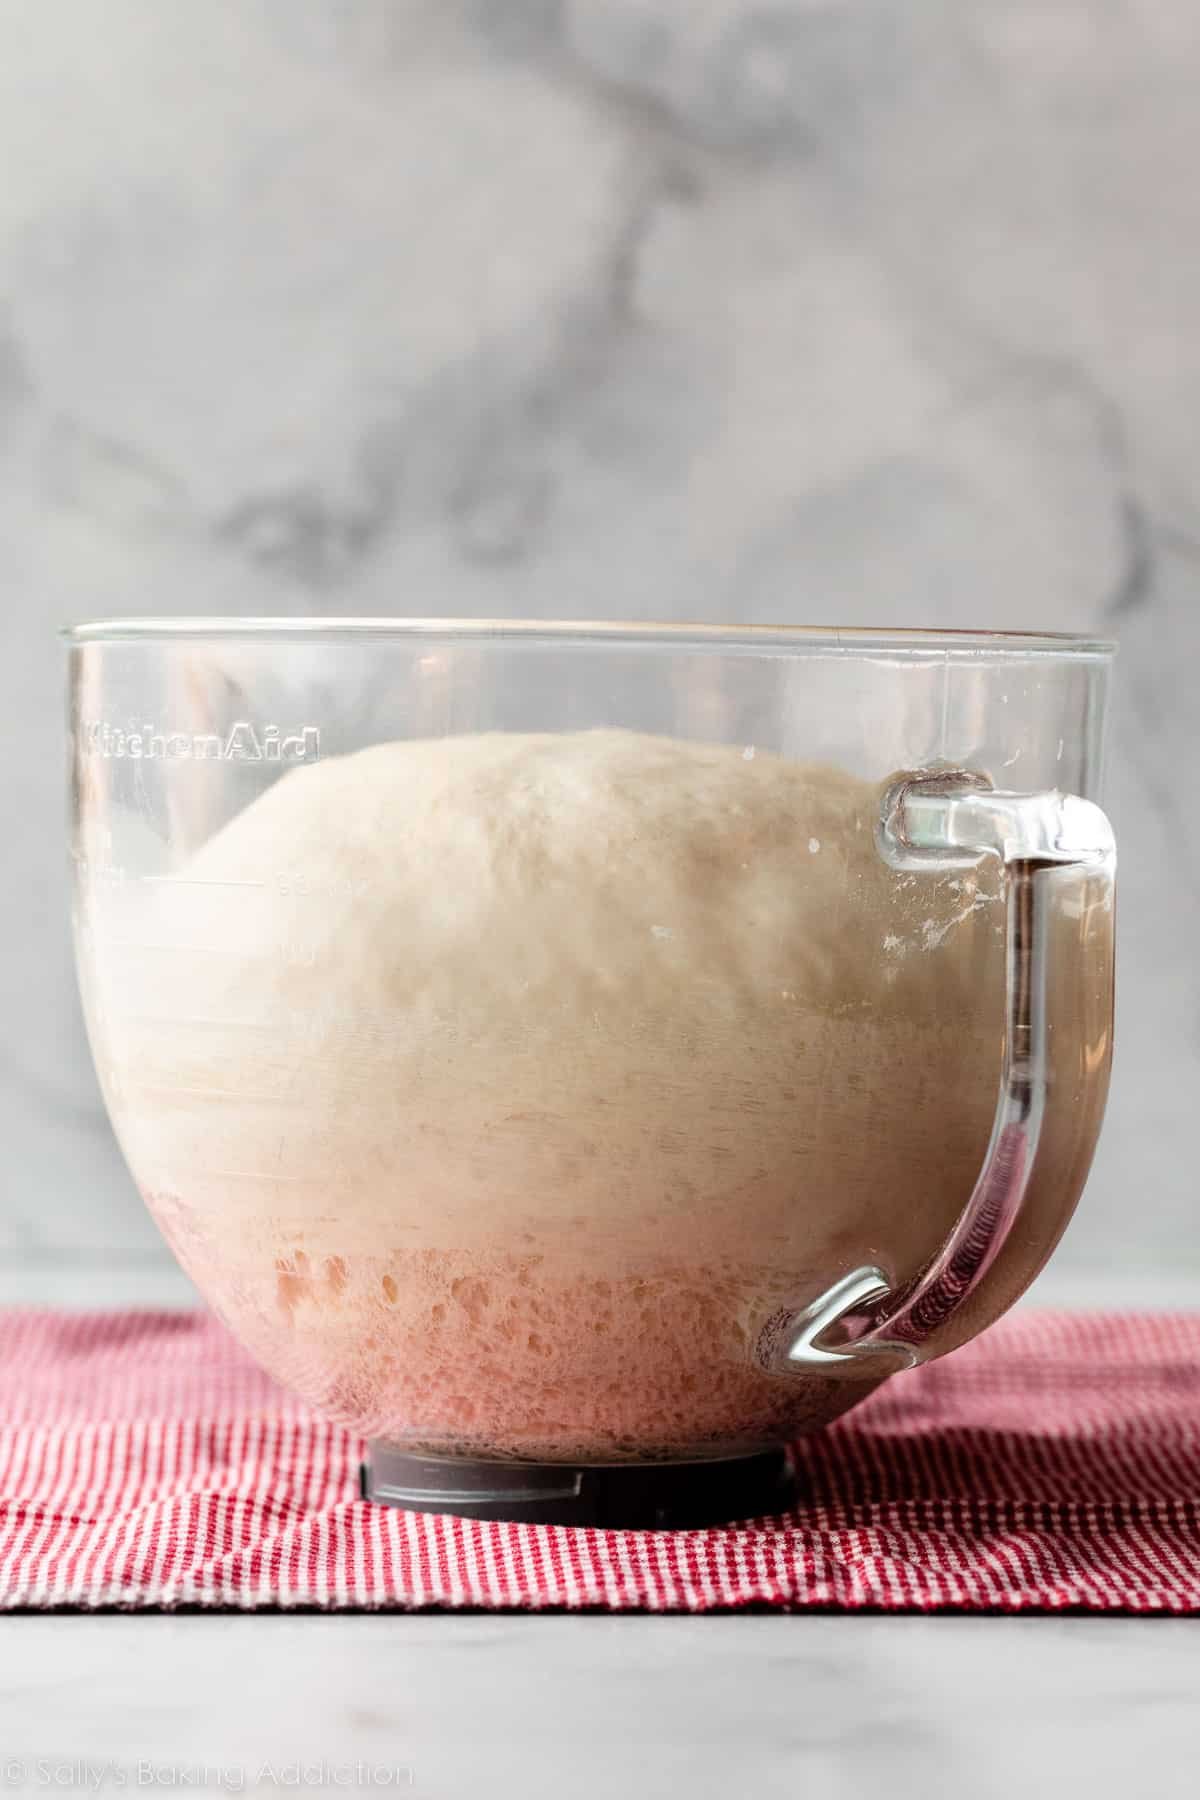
(594, 1706)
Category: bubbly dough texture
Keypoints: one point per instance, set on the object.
(508, 1085)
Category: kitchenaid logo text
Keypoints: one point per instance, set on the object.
(244, 742)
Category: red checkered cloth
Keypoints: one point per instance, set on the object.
(146, 1462)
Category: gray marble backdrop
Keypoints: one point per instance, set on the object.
(858, 311)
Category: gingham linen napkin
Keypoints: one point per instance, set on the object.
(145, 1462)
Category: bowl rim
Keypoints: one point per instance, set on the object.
(844, 639)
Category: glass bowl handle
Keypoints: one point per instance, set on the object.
(862, 1325)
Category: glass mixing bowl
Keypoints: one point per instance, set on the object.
(581, 1058)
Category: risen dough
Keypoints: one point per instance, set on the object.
(512, 1083)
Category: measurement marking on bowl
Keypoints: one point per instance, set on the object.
(263, 1175)
(174, 1020)
(140, 944)
(302, 954)
(207, 1093)
(195, 881)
